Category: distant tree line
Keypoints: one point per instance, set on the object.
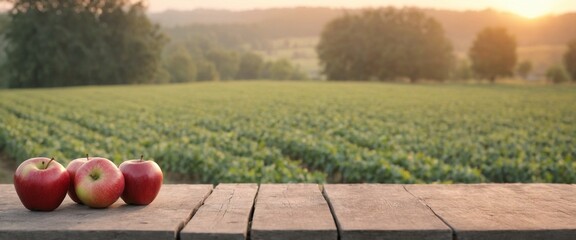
(389, 44)
(215, 55)
(228, 36)
(74, 42)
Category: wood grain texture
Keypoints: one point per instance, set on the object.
(375, 211)
(225, 214)
(504, 211)
(160, 220)
(292, 211)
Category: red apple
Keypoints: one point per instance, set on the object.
(143, 181)
(98, 183)
(72, 167)
(41, 183)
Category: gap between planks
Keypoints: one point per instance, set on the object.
(194, 211)
(292, 211)
(225, 214)
(326, 199)
(248, 231)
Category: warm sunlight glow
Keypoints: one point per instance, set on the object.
(526, 8)
(529, 9)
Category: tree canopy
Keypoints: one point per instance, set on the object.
(557, 74)
(570, 59)
(385, 44)
(493, 53)
(73, 42)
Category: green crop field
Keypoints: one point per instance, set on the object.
(305, 131)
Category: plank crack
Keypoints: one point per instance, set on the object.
(228, 201)
(454, 236)
(325, 195)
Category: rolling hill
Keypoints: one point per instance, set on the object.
(460, 26)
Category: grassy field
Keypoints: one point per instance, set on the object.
(305, 131)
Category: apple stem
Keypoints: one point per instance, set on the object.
(88, 159)
(49, 162)
(142, 158)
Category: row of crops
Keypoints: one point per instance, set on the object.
(305, 132)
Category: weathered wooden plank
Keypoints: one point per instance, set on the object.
(159, 220)
(224, 215)
(292, 211)
(504, 211)
(372, 211)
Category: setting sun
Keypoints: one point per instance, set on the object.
(529, 9)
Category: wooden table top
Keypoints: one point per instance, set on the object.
(311, 211)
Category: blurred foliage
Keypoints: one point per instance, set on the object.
(251, 66)
(462, 71)
(558, 74)
(385, 44)
(181, 67)
(524, 68)
(282, 70)
(306, 131)
(570, 59)
(227, 63)
(222, 53)
(227, 36)
(207, 71)
(4, 20)
(72, 42)
(493, 53)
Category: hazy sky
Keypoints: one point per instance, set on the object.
(529, 8)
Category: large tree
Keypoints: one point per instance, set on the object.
(385, 44)
(76, 42)
(570, 59)
(493, 53)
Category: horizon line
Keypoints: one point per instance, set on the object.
(550, 14)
